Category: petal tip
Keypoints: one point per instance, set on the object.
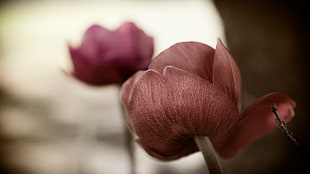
(220, 43)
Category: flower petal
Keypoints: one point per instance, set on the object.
(258, 120)
(126, 47)
(126, 89)
(193, 57)
(106, 56)
(85, 70)
(96, 41)
(142, 45)
(226, 74)
(167, 110)
(128, 50)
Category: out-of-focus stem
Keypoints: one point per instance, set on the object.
(130, 149)
(209, 154)
(129, 143)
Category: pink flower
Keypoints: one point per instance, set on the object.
(106, 56)
(192, 89)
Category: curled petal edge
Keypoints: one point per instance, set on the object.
(193, 57)
(258, 120)
(226, 74)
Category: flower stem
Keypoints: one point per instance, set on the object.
(209, 154)
(129, 143)
(130, 150)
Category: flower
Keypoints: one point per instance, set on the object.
(190, 90)
(106, 57)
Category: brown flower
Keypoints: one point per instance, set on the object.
(190, 90)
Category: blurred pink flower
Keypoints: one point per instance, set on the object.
(192, 89)
(106, 56)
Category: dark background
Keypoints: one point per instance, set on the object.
(270, 42)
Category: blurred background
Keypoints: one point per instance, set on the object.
(51, 123)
